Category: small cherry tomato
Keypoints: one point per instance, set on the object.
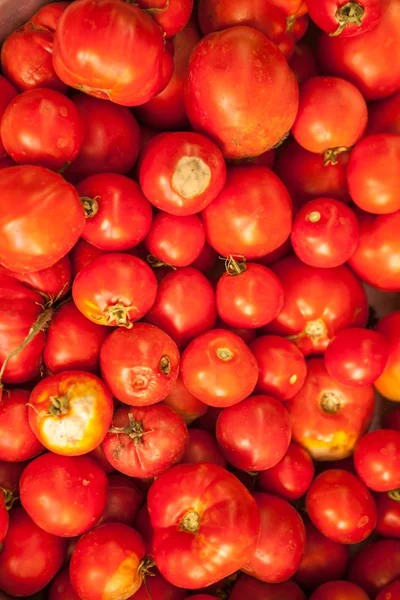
(203, 448)
(176, 241)
(336, 590)
(377, 460)
(375, 565)
(17, 440)
(249, 587)
(184, 403)
(347, 19)
(123, 501)
(388, 384)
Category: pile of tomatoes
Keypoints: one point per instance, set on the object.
(198, 202)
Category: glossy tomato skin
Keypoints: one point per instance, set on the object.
(268, 94)
(218, 368)
(70, 412)
(348, 521)
(388, 382)
(82, 254)
(122, 216)
(61, 587)
(123, 501)
(254, 434)
(19, 574)
(203, 448)
(252, 216)
(176, 241)
(49, 214)
(17, 440)
(391, 591)
(377, 460)
(171, 19)
(325, 15)
(388, 509)
(184, 306)
(159, 589)
(183, 517)
(8, 92)
(246, 586)
(383, 116)
(335, 590)
(110, 555)
(303, 63)
(375, 566)
(140, 365)
(184, 403)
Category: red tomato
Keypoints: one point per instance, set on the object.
(347, 19)
(115, 289)
(7, 93)
(248, 587)
(158, 588)
(291, 477)
(10, 473)
(388, 509)
(4, 520)
(170, 16)
(82, 254)
(19, 574)
(384, 116)
(61, 587)
(175, 241)
(52, 283)
(246, 119)
(99, 456)
(108, 563)
(323, 560)
(184, 306)
(218, 368)
(390, 591)
(324, 233)
(341, 507)
(377, 460)
(123, 37)
(184, 403)
(336, 590)
(73, 342)
(252, 216)
(328, 417)
(371, 61)
(17, 440)
(70, 413)
(376, 565)
(64, 495)
(145, 441)
(41, 218)
(255, 434)
(123, 501)
(388, 384)
(140, 365)
(186, 506)
(203, 448)
(303, 63)
(356, 357)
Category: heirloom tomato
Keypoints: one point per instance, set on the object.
(17, 440)
(388, 384)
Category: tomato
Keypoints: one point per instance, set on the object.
(119, 299)
(170, 16)
(70, 413)
(73, 342)
(82, 254)
(7, 93)
(390, 591)
(123, 501)
(241, 294)
(388, 509)
(61, 587)
(303, 63)
(347, 19)
(176, 241)
(336, 590)
(341, 507)
(376, 565)
(246, 586)
(123, 37)
(291, 7)
(371, 61)
(108, 563)
(17, 440)
(203, 448)
(19, 574)
(252, 216)
(10, 473)
(187, 506)
(184, 306)
(356, 357)
(291, 477)
(167, 111)
(140, 365)
(255, 434)
(145, 441)
(249, 118)
(98, 455)
(323, 560)
(4, 520)
(377, 460)
(52, 283)
(318, 303)
(158, 588)
(184, 403)
(383, 116)
(41, 218)
(388, 384)
(218, 368)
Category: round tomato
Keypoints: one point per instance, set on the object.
(184, 403)
(390, 591)
(41, 218)
(17, 440)
(248, 587)
(170, 16)
(7, 93)
(218, 368)
(246, 119)
(388, 509)
(123, 501)
(377, 460)
(70, 413)
(140, 365)
(61, 587)
(336, 590)
(187, 505)
(175, 241)
(347, 19)
(303, 63)
(376, 565)
(203, 448)
(388, 384)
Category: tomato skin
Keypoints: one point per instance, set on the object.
(37, 199)
(384, 115)
(158, 588)
(123, 501)
(348, 521)
(8, 93)
(4, 519)
(17, 440)
(388, 383)
(391, 591)
(377, 460)
(174, 18)
(388, 509)
(203, 448)
(98, 455)
(52, 282)
(246, 586)
(184, 531)
(61, 587)
(218, 368)
(324, 14)
(82, 254)
(335, 590)
(184, 403)
(303, 63)
(268, 93)
(252, 216)
(109, 555)
(19, 574)
(140, 365)
(176, 241)
(254, 435)
(376, 565)
(70, 412)
(10, 473)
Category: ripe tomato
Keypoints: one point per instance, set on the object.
(7, 93)
(108, 562)
(52, 283)
(377, 460)
(4, 519)
(341, 507)
(145, 441)
(41, 218)
(303, 63)
(82, 254)
(323, 560)
(347, 19)
(70, 413)
(255, 434)
(123, 501)
(318, 303)
(390, 591)
(252, 216)
(291, 7)
(203, 448)
(19, 574)
(356, 357)
(248, 587)
(61, 587)
(383, 116)
(388, 509)
(291, 477)
(246, 119)
(184, 306)
(122, 297)
(171, 17)
(98, 455)
(158, 588)
(218, 368)
(187, 506)
(140, 365)
(123, 37)
(176, 241)
(184, 403)
(388, 384)
(64, 495)
(376, 565)
(17, 440)
(336, 590)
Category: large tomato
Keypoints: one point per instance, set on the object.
(347, 19)
(204, 520)
(170, 16)
(388, 383)
(240, 91)
(17, 440)
(7, 93)
(249, 587)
